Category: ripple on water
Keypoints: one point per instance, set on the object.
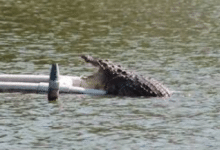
(175, 42)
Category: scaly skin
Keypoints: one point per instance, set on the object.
(117, 81)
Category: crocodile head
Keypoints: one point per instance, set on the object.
(105, 72)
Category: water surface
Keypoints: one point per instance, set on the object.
(176, 42)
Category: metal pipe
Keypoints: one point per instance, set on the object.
(24, 78)
(43, 88)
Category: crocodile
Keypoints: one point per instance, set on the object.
(118, 81)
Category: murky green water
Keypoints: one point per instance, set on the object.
(176, 42)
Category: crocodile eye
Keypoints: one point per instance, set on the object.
(119, 70)
(104, 64)
(124, 73)
(119, 66)
(100, 61)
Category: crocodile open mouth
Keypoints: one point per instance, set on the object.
(94, 81)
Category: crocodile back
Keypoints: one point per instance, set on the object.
(137, 86)
(119, 81)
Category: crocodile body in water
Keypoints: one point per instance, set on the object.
(118, 81)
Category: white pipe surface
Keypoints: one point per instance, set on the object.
(70, 80)
(24, 78)
(43, 88)
(39, 84)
